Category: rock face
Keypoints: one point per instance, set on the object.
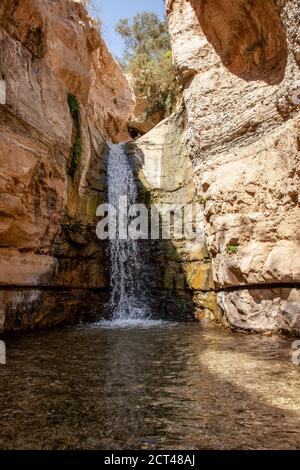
(239, 64)
(233, 148)
(183, 275)
(51, 264)
(141, 121)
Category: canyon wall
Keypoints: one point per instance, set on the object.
(183, 276)
(233, 148)
(51, 263)
(237, 153)
(239, 65)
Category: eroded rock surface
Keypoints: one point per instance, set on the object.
(239, 64)
(142, 120)
(48, 247)
(183, 274)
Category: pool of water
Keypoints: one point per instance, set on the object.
(149, 385)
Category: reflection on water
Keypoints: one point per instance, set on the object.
(149, 386)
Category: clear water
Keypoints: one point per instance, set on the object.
(149, 385)
(128, 261)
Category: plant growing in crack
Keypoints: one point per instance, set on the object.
(232, 249)
(76, 149)
(203, 200)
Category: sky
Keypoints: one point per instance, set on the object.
(111, 11)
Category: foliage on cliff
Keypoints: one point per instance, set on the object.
(148, 58)
(76, 147)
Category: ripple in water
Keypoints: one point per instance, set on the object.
(132, 323)
(164, 386)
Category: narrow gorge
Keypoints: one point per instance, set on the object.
(233, 146)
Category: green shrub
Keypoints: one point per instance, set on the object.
(148, 58)
(76, 153)
(203, 200)
(76, 149)
(73, 104)
(232, 249)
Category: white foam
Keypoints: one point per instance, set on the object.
(128, 257)
(130, 323)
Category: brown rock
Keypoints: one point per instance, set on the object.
(141, 121)
(48, 50)
(199, 276)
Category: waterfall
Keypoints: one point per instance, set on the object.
(128, 263)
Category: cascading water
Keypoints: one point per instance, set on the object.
(128, 266)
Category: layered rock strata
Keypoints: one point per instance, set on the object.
(239, 64)
(51, 263)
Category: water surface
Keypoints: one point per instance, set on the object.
(149, 385)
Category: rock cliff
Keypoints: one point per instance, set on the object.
(141, 121)
(52, 58)
(238, 62)
(233, 148)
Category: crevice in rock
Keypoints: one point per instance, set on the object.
(260, 286)
(51, 288)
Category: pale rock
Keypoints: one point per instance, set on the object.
(2, 92)
(261, 310)
(239, 64)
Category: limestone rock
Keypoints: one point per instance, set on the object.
(198, 276)
(25, 269)
(165, 173)
(260, 310)
(239, 64)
